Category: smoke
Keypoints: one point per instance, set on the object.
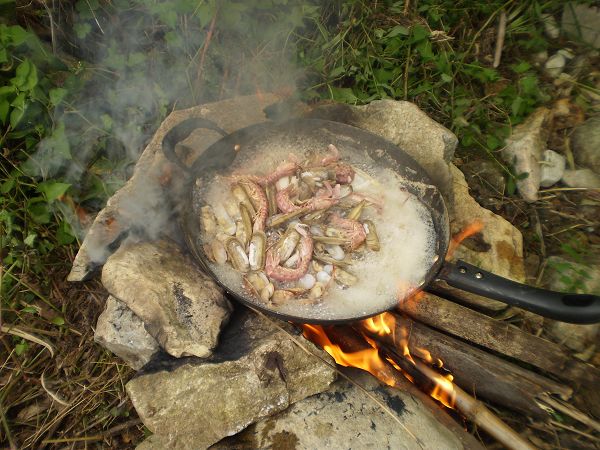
(134, 63)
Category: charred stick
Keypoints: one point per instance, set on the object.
(508, 340)
(473, 409)
(487, 375)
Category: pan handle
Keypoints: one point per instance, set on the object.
(572, 308)
(180, 132)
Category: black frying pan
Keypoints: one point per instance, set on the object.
(218, 158)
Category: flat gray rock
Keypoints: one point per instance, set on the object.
(346, 417)
(120, 331)
(582, 22)
(181, 307)
(258, 371)
(586, 144)
(581, 178)
(523, 151)
(406, 125)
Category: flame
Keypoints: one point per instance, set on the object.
(384, 325)
(468, 231)
(367, 359)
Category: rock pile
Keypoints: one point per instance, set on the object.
(209, 370)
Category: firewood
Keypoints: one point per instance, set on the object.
(510, 341)
(471, 408)
(481, 373)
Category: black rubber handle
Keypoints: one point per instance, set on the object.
(573, 308)
(180, 132)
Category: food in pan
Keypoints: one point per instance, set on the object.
(306, 231)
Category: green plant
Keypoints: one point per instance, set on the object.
(439, 57)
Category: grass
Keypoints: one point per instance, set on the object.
(73, 106)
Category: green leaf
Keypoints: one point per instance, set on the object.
(53, 189)
(345, 95)
(7, 185)
(30, 310)
(64, 234)
(3, 55)
(18, 34)
(29, 240)
(398, 30)
(511, 186)
(82, 29)
(446, 78)
(58, 321)
(6, 2)
(419, 33)
(523, 66)
(4, 107)
(56, 95)
(21, 348)
(38, 210)
(337, 72)
(15, 116)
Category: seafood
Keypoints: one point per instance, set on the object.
(237, 255)
(294, 231)
(256, 250)
(209, 221)
(280, 273)
(350, 229)
(372, 240)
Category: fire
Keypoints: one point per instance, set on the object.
(468, 231)
(367, 359)
(384, 325)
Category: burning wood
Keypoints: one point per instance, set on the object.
(348, 350)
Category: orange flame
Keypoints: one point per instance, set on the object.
(369, 359)
(468, 231)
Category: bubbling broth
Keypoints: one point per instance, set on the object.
(317, 232)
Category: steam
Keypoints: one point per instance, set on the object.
(138, 63)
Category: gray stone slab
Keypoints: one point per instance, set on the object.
(258, 371)
(181, 307)
(120, 331)
(348, 417)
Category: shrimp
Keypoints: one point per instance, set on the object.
(305, 249)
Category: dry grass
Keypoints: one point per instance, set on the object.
(74, 399)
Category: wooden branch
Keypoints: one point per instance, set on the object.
(473, 409)
(500, 39)
(350, 341)
(477, 371)
(510, 341)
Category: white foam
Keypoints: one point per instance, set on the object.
(405, 228)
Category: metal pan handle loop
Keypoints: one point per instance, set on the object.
(573, 308)
(180, 132)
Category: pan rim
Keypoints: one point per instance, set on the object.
(431, 273)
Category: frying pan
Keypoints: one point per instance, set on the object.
(220, 156)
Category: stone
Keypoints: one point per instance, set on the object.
(565, 276)
(582, 22)
(585, 143)
(551, 28)
(523, 151)
(555, 65)
(404, 124)
(257, 371)
(345, 416)
(143, 206)
(497, 248)
(581, 178)
(121, 332)
(181, 307)
(553, 167)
